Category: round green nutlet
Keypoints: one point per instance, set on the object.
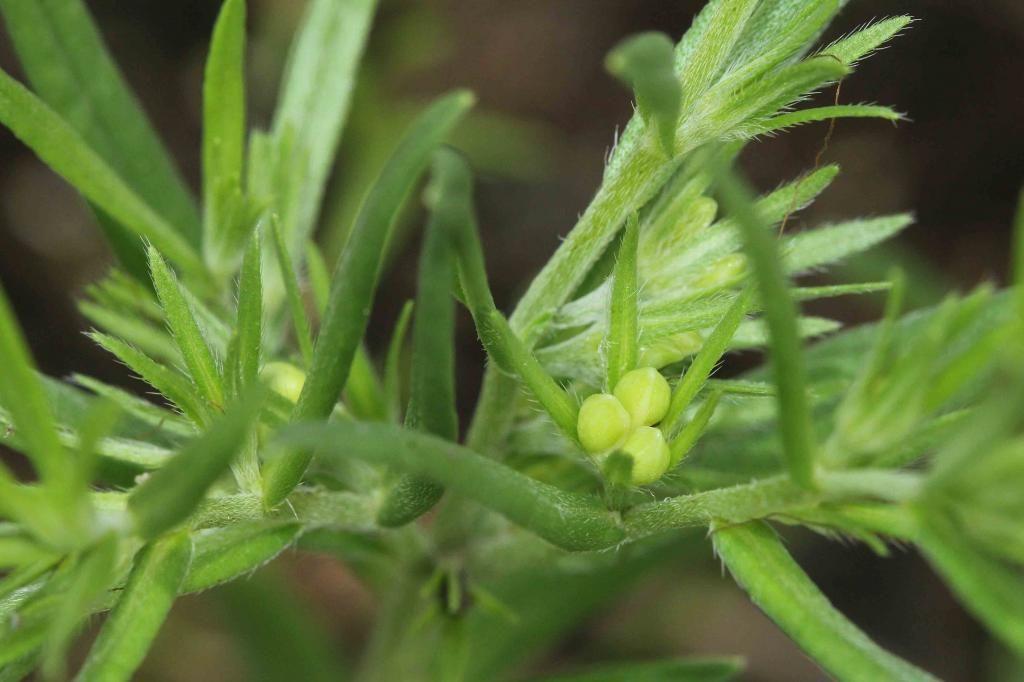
(645, 394)
(650, 453)
(602, 423)
(284, 378)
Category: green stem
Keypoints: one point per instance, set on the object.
(764, 498)
(573, 521)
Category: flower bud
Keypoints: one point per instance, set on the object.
(645, 394)
(284, 378)
(602, 423)
(650, 453)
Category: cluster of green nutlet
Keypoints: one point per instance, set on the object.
(626, 420)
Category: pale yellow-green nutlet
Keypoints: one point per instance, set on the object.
(650, 453)
(602, 423)
(286, 379)
(645, 394)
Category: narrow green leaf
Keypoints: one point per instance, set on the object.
(119, 291)
(688, 436)
(60, 147)
(365, 394)
(795, 118)
(172, 493)
(223, 124)
(861, 43)
(778, 31)
(224, 555)
(70, 68)
(509, 352)
(249, 324)
(780, 314)
(678, 670)
(141, 608)
(148, 337)
(315, 95)
(569, 520)
(702, 56)
(393, 362)
(92, 577)
(294, 294)
(757, 334)
(645, 63)
(182, 321)
(745, 109)
(355, 280)
(703, 364)
(175, 387)
(624, 317)
(834, 290)
(153, 418)
(249, 342)
(23, 397)
(832, 243)
(432, 387)
(761, 565)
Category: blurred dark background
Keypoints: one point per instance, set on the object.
(537, 68)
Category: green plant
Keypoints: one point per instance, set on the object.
(268, 437)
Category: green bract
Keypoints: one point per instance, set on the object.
(280, 426)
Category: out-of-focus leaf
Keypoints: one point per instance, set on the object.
(70, 68)
(780, 315)
(141, 608)
(990, 589)
(761, 565)
(645, 63)
(223, 129)
(315, 95)
(62, 148)
(93, 575)
(22, 395)
(170, 494)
